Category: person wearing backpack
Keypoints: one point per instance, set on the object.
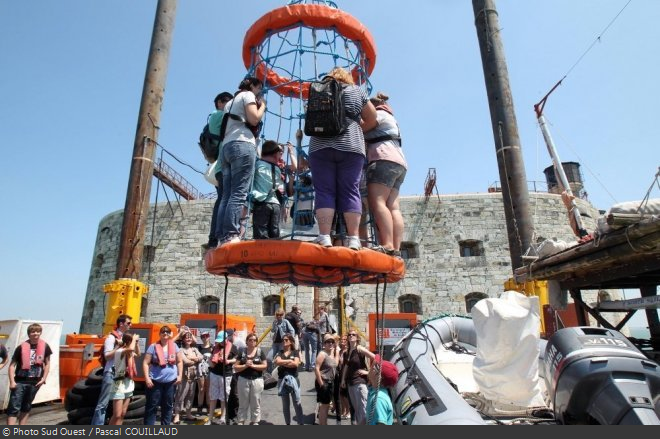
(267, 191)
(214, 123)
(385, 174)
(124, 372)
(107, 360)
(336, 161)
(242, 117)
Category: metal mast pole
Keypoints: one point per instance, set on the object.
(505, 131)
(129, 261)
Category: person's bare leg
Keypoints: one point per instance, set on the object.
(324, 218)
(397, 219)
(352, 223)
(23, 418)
(378, 196)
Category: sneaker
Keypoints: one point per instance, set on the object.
(381, 249)
(354, 243)
(323, 240)
(218, 421)
(208, 421)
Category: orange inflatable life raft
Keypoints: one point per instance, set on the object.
(303, 263)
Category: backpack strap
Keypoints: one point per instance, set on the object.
(380, 139)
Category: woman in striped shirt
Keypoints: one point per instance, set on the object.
(337, 162)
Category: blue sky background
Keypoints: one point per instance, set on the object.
(71, 77)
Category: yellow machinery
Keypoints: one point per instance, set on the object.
(125, 297)
(534, 288)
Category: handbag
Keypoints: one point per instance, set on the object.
(209, 175)
(191, 373)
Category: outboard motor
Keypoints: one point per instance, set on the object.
(597, 376)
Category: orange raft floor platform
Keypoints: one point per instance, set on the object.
(303, 263)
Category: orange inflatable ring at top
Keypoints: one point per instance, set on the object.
(303, 263)
(315, 16)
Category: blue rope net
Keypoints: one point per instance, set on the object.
(303, 54)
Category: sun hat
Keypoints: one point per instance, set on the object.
(221, 337)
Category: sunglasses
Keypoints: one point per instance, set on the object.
(352, 335)
(329, 342)
(166, 332)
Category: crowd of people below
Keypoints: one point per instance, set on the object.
(177, 371)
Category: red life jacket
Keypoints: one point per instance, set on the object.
(171, 353)
(39, 355)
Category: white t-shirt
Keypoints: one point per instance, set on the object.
(236, 130)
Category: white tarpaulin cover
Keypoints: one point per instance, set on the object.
(506, 365)
(12, 334)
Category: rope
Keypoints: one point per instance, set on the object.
(647, 197)
(224, 350)
(597, 40)
(380, 329)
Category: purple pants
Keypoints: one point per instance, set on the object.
(336, 178)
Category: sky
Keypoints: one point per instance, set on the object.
(72, 73)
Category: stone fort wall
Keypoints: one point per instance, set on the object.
(438, 278)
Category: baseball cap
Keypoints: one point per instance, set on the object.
(221, 337)
(389, 374)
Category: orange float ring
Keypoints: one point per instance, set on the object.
(303, 263)
(315, 16)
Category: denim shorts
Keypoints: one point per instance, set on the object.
(21, 398)
(387, 173)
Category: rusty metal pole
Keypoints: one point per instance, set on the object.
(129, 261)
(505, 131)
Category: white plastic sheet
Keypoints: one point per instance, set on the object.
(506, 364)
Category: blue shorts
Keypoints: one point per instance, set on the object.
(21, 398)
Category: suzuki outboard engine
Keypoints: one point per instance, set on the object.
(597, 376)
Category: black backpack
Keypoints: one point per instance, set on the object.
(325, 116)
(210, 144)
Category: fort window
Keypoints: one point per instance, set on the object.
(149, 253)
(90, 311)
(98, 263)
(409, 250)
(208, 305)
(410, 303)
(471, 299)
(471, 247)
(271, 304)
